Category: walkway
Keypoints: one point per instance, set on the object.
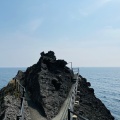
(35, 112)
(64, 107)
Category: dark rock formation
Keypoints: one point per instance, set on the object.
(12, 105)
(20, 75)
(48, 83)
(9, 89)
(90, 106)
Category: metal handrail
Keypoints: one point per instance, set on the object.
(18, 86)
(70, 100)
(21, 114)
(22, 110)
(64, 116)
(70, 103)
(76, 70)
(81, 117)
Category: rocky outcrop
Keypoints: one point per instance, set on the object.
(48, 83)
(9, 89)
(12, 105)
(90, 106)
(20, 75)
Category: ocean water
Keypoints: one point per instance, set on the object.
(6, 74)
(105, 81)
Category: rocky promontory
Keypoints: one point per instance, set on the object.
(48, 83)
(89, 106)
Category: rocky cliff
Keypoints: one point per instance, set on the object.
(90, 107)
(48, 83)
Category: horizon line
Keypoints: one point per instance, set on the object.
(67, 66)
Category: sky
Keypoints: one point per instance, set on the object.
(84, 32)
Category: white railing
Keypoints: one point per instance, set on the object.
(71, 97)
(20, 89)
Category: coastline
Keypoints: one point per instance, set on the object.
(53, 75)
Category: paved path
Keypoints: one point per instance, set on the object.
(35, 112)
(64, 106)
(61, 112)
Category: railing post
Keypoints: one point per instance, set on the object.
(20, 90)
(69, 114)
(17, 86)
(15, 83)
(23, 92)
(18, 117)
(71, 65)
(21, 101)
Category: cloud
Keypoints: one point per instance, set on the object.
(105, 1)
(109, 33)
(94, 6)
(32, 25)
(107, 37)
(84, 13)
(35, 24)
(87, 9)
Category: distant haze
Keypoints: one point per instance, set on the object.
(85, 32)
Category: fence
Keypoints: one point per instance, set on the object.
(69, 115)
(68, 112)
(21, 90)
(76, 70)
(71, 97)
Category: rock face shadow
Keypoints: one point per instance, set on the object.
(36, 111)
(37, 107)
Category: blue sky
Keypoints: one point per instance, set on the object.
(86, 32)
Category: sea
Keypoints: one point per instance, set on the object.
(106, 83)
(104, 80)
